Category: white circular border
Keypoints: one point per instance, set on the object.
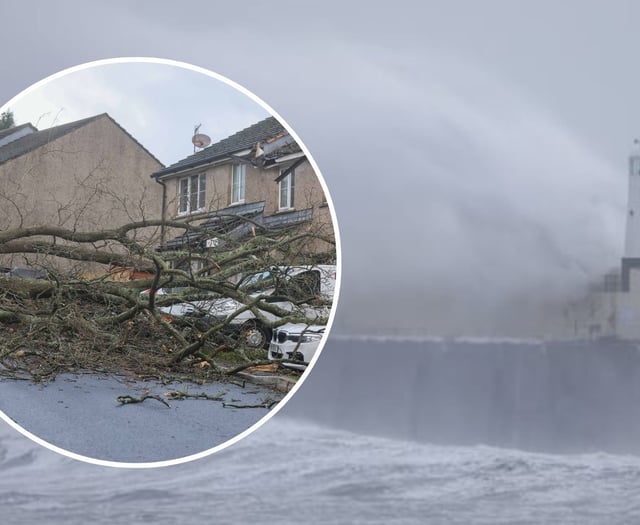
(274, 411)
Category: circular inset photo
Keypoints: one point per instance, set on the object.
(169, 262)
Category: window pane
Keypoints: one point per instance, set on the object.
(237, 183)
(184, 193)
(202, 191)
(283, 192)
(286, 191)
(193, 193)
(234, 185)
(292, 179)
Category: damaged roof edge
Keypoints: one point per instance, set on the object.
(184, 168)
(269, 133)
(246, 222)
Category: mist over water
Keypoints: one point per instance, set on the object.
(489, 215)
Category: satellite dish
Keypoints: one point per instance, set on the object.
(200, 140)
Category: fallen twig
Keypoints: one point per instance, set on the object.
(127, 400)
(177, 394)
(267, 403)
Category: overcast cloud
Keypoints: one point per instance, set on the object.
(475, 151)
(159, 104)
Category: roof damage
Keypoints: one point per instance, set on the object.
(236, 223)
(263, 145)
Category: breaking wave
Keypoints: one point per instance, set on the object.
(291, 472)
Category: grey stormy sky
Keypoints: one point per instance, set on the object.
(475, 151)
(158, 103)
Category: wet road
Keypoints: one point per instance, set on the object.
(80, 414)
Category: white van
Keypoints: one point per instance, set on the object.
(311, 287)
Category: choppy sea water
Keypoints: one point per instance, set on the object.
(294, 472)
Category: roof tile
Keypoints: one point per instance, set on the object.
(239, 141)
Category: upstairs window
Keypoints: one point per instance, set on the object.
(286, 187)
(192, 193)
(237, 184)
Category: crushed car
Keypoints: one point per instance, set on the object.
(306, 291)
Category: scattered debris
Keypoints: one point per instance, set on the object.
(177, 394)
(127, 400)
(267, 403)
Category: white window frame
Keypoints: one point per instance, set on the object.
(238, 183)
(286, 188)
(194, 198)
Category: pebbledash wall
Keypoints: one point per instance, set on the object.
(260, 186)
(217, 162)
(86, 175)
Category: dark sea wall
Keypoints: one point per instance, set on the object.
(555, 397)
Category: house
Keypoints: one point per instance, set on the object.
(258, 178)
(86, 175)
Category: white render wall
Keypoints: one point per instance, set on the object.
(632, 235)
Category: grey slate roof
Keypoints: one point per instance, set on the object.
(15, 133)
(40, 138)
(231, 222)
(289, 218)
(218, 218)
(219, 222)
(10, 131)
(239, 141)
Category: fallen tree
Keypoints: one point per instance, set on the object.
(104, 303)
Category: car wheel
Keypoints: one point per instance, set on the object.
(255, 335)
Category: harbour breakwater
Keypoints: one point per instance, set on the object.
(579, 396)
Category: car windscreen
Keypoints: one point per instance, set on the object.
(257, 282)
(301, 287)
